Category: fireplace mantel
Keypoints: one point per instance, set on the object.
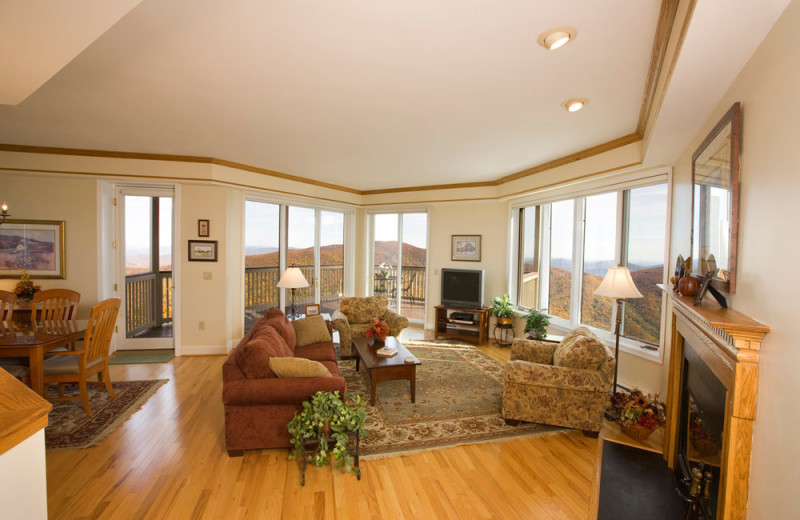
(729, 343)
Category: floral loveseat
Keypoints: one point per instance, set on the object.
(353, 317)
(563, 384)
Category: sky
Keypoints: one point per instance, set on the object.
(137, 224)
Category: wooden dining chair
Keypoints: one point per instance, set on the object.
(55, 304)
(77, 366)
(7, 300)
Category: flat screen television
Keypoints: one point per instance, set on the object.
(462, 288)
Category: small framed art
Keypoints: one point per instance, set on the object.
(312, 309)
(202, 250)
(466, 248)
(203, 228)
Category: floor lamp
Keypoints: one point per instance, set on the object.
(292, 279)
(619, 285)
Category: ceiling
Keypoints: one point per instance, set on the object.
(365, 95)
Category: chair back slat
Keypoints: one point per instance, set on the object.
(7, 300)
(97, 340)
(55, 304)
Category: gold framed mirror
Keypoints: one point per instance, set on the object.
(715, 201)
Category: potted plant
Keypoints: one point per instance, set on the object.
(328, 417)
(536, 323)
(501, 307)
(638, 414)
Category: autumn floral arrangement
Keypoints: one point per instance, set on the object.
(24, 290)
(378, 329)
(638, 414)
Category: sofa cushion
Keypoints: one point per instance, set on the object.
(274, 311)
(361, 310)
(580, 350)
(311, 330)
(297, 367)
(317, 351)
(285, 329)
(253, 357)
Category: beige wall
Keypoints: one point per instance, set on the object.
(767, 290)
(34, 197)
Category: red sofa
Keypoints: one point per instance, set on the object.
(259, 405)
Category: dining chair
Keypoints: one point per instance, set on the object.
(77, 366)
(55, 304)
(7, 300)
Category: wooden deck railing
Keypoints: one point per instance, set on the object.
(261, 291)
(411, 284)
(148, 301)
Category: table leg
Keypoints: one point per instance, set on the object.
(413, 384)
(358, 360)
(373, 387)
(36, 361)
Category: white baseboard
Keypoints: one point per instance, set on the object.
(203, 350)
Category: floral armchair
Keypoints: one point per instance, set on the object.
(562, 384)
(352, 319)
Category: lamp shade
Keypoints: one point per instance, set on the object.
(292, 279)
(618, 284)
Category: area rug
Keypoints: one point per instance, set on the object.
(458, 401)
(140, 357)
(70, 427)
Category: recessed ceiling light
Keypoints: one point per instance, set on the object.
(573, 105)
(555, 38)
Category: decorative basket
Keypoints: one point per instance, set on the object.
(636, 431)
(705, 447)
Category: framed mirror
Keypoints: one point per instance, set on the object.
(715, 202)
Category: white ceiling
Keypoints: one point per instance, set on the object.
(366, 95)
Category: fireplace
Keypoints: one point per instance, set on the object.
(713, 377)
(701, 425)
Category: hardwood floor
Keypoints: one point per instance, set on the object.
(168, 461)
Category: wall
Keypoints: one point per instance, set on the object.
(34, 197)
(766, 286)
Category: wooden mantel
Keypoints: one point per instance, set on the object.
(729, 343)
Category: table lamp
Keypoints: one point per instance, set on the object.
(292, 279)
(619, 285)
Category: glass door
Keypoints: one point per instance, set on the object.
(262, 255)
(145, 236)
(400, 256)
(301, 253)
(331, 260)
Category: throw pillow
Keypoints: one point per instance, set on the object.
(582, 350)
(253, 357)
(272, 312)
(311, 330)
(297, 367)
(285, 329)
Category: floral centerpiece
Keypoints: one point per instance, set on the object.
(639, 414)
(378, 329)
(24, 290)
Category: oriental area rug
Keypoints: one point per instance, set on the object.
(70, 427)
(459, 400)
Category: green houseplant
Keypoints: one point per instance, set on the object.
(501, 307)
(536, 323)
(328, 417)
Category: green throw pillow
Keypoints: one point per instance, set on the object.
(311, 330)
(297, 367)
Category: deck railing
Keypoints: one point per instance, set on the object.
(148, 301)
(261, 291)
(411, 284)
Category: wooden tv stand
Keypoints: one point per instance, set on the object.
(475, 332)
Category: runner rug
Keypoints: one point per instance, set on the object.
(70, 427)
(459, 400)
(138, 357)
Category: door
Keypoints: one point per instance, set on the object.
(145, 233)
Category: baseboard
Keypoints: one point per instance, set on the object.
(203, 350)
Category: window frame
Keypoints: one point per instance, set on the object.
(628, 345)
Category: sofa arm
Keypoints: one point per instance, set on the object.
(395, 322)
(276, 390)
(522, 372)
(341, 324)
(533, 351)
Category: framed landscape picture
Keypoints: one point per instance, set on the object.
(466, 248)
(202, 250)
(312, 309)
(34, 245)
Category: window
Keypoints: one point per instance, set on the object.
(566, 247)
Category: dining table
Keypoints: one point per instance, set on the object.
(34, 339)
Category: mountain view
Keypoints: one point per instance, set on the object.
(385, 252)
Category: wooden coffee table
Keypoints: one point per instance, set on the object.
(382, 369)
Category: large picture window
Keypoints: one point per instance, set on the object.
(566, 248)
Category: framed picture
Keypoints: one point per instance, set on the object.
(203, 229)
(466, 248)
(312, 310)
(34, 245)
(202, 250)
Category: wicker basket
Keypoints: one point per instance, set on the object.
(705, 447)
(636, 431)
